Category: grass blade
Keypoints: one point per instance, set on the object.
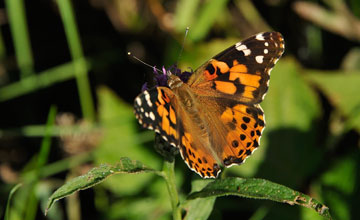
(72, 35)
(31, 207)
(38, 81)
(17, 20)
(7, 211)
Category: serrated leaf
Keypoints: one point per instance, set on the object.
(96, 176)
(260, 189)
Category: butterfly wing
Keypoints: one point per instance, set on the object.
(242, 71)
(235, 128)
(154, 109)
(158, 109)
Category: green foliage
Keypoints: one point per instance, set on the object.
(340, 88)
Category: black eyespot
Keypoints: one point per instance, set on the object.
(246, 119)
(243, 126)
(242, 137)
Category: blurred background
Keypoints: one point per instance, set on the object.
(67, 87)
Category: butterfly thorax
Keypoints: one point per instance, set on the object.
(187, 100)
(174, 81)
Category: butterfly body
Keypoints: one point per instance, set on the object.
(215, 118)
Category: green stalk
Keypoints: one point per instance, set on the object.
(32, 202)
(81, 69)
(169, 175)
(17, 20)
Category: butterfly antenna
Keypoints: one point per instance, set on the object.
(183, 43)
(146, 64)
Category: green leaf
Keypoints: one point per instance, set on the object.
(260, 189)
(341, 88)
(96, 176)
(290, 101)
(199, 208)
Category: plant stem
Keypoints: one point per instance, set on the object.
(169, 176)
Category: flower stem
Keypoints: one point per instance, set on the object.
(169, 176)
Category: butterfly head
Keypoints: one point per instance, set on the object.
(170, 78)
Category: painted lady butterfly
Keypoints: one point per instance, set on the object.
(214, 116)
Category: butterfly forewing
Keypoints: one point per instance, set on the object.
(154, 110)
(242, 71)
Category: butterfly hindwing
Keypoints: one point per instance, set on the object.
(235, 129)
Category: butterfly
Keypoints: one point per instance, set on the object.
(214, 117)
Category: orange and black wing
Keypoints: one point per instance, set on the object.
(242, 71)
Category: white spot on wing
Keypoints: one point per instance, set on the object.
(260, 37)
(152, 116)
(243, 48)
(266, 51)
(259, 59)
(266, 44)
(147, 98)
(138, 101)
